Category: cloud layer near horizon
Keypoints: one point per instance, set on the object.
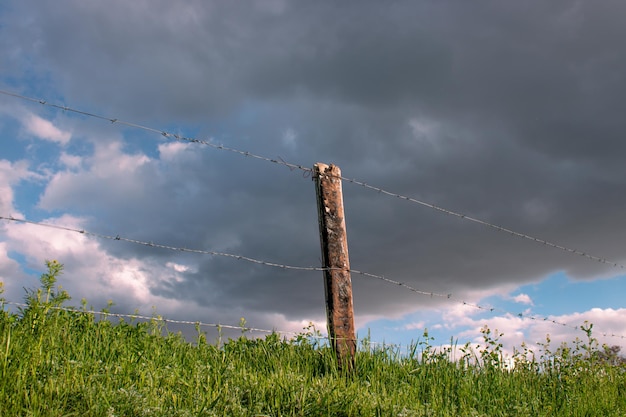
(508, 112)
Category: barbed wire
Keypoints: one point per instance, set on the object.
(162, 246)
(163, 133)
(309, 171)
(156, 318)
(199, 324)
(484, 223)
(305, 268)
(307, 333)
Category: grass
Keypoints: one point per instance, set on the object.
(59, 362)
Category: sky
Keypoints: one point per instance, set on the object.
(508, 112)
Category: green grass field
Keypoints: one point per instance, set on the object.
(68, 363)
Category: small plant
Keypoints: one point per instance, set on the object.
(427, 350)
(42, 304)
(242, 325)
(491, 354)
(48, 296)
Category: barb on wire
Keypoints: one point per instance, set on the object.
(166, 134)
(485, 223)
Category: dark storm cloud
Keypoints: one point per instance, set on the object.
(507, 111)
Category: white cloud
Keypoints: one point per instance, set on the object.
(70, 161)
(6, 191)
(92, 273)
(109, 160)
(45, 129)
(108, 174)
(465, 321)
(12, 173)
(606, 322)
(290, 327)
(171, 150)
(11, 275)
(564, 328)
(178, 267)
(420, 325)
(522, 299)
(459, 315)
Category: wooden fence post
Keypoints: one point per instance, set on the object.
(337, 282)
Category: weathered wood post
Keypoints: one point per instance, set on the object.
(337, 282)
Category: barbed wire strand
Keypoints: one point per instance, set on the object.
(484, 223)
(158, 318)
(302, 268)
(163, 133)
(199, 324)
(308, 172)
(161, 246)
